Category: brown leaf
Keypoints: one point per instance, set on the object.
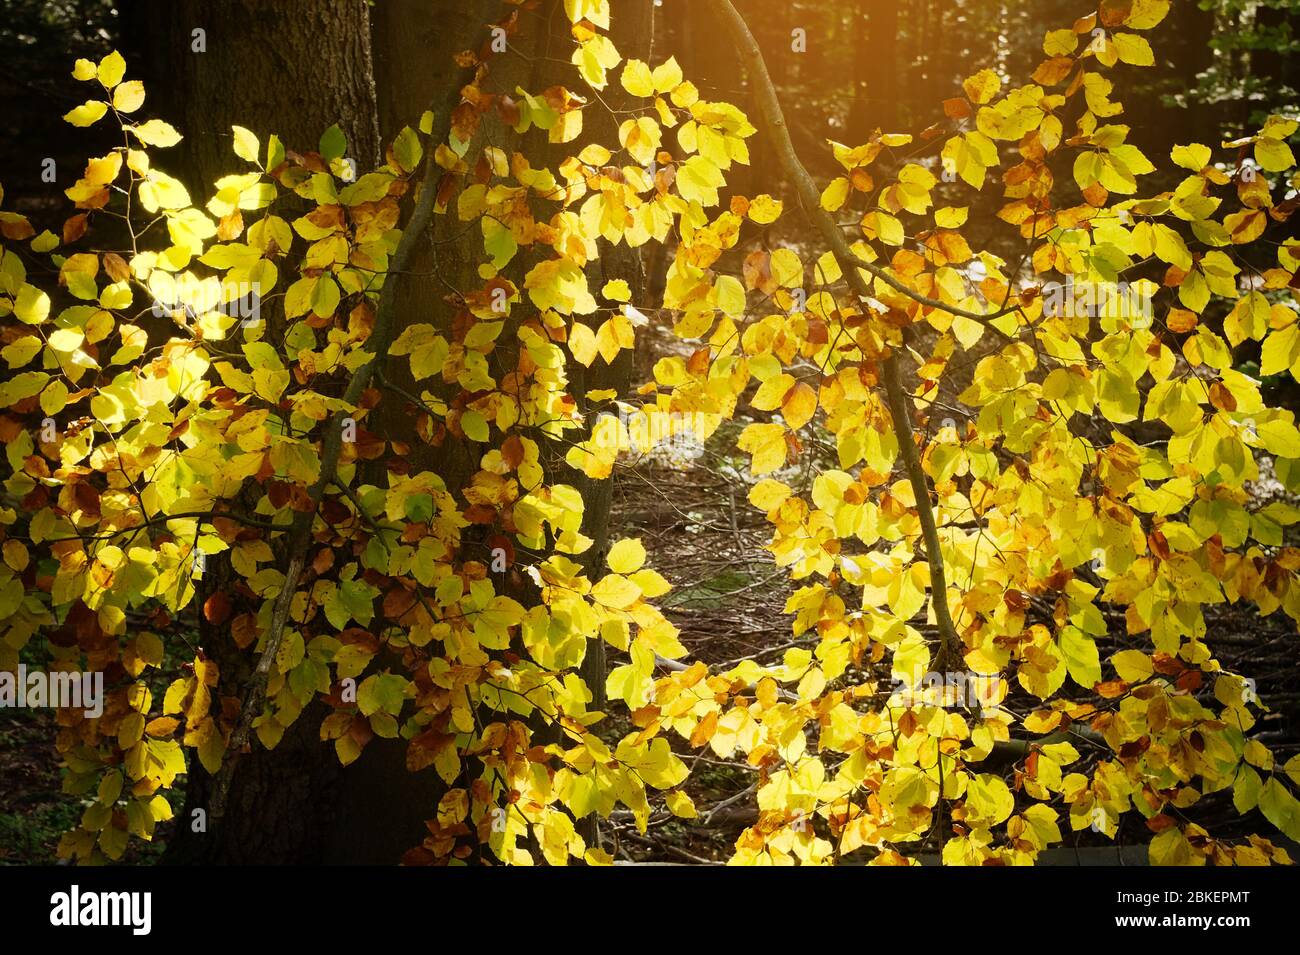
(216, 609)
(74, 228)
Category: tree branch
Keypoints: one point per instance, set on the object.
(774, 123)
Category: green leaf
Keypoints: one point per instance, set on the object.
(1081, 659)
(381, 693)
(419, 508)
(32, 305)
(474, 425)
(333, 143)
(407, 149)
(1281, 808)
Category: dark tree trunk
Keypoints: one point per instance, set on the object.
(293, 70)
(295, 804)
(860, 110)
(414, 43)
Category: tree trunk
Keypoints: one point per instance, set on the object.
(875, 102)
(295, 804)
(860, 110)
(414, 43)
(294, 71)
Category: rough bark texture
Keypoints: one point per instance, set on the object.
(381, 805)
(292, 69)
(278, 810)
(414, 43)
(295, 804)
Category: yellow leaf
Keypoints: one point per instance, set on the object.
(1132, 666)
(680, 804)
(54, 397)
(950, 217)
(641, 138)
(87, 114)
(1194, 157)
(593, 58)
(627, 556)
(988, 801)
(1060, 42)
(617, 291)
(799, 405)
(582, 344)
(128, 97)
(1172, 848)
(32, 305)
(883, 226)
(15, 555)
(1134, 50)
(982, 87)
(764, 210)
(770, 393)
(1274, 155)
(766, 444)
(615, 334)
(637, 78)
(667, 76)
(1144, 14)
(597, 11)
(835, 194)
(22, 350)
(111, 68)
(246, 144)
(156, 133)
(768, 494)
(616, 591)
(1280, 808)
(100, 172)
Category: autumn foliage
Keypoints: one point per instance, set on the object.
(1092, 474)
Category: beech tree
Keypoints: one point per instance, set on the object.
(408, 490)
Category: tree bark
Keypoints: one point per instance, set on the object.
(414, 43)
(294, 71)
(294, 803)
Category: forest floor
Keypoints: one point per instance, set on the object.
(34, 813)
